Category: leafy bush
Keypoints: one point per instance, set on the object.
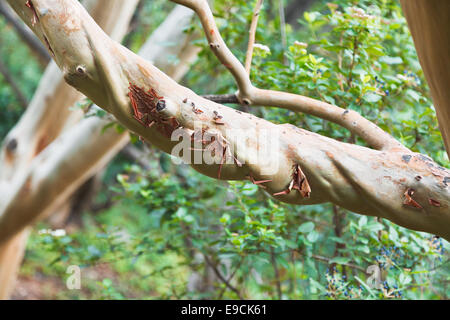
(180, 226)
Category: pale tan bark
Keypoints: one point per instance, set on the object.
(252, 36)
(11, 254)
(65, 162)
(429, 22)
(50, 110)
(391, 182)
(47, 116)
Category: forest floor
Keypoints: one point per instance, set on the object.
(45, 287)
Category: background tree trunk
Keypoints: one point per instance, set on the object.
(87, 135)
(299, 167)
(429, 22)
(35, 131)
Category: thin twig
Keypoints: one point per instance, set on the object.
(337, 221)
(352, 64)
(222, 278)
(252, 36)
(325, 259)
(282, 26)
(277, 272)
(17, 91)
(222, 98)
(231, 276)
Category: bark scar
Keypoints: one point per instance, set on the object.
(147, 107)
(299, 182)
(409, 201)
(35, 18)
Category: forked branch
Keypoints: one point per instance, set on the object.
(292, 164)
(250, 95)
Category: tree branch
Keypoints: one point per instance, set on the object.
(80, 152)
(249, 95)
(252, 34)
(296, 166)
(222, 98)
(26, 34)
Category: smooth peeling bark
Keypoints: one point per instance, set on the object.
(74, 156)
(50, 112)
(51, 178)
(395, 183)
(46, 117)
(11, 252)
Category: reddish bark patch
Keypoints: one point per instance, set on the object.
(35, 18)
(26, 188)
(147, 107)
(299, 182)
(434, 203)
(41, 145)
(218, 118)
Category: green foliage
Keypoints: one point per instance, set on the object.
(25, 70)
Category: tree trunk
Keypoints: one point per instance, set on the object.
(297, 166)
(429, 22)
(65, 159)
(11, 254)
(35, 131)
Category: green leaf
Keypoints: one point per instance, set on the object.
(181, 213)
(362, 222)
(371, 97)
(313, 236)
(317, 286)
(414, 95)
(306, 227)
(225, 218)
(391, 60)
(249, 189)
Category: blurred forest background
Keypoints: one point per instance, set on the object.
(150, 229)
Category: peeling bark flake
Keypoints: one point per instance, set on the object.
(147, 107)
(195, 110)
(218, 118)
(35, 18)
(299, 182)
(409, 201)
(434, 203)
